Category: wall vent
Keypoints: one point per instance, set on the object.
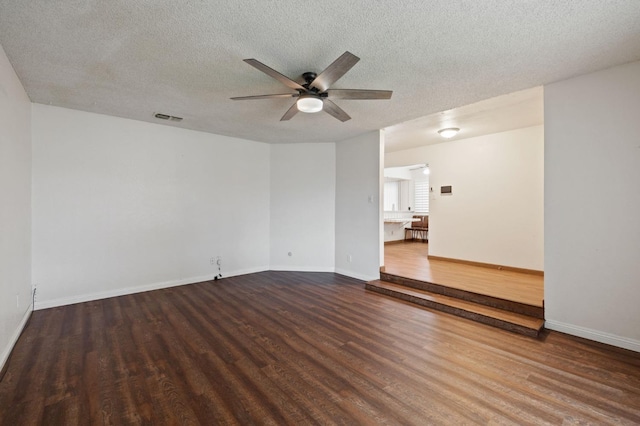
(167, 117)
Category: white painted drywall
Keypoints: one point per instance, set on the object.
(15, 207)
(592, 206)
(303, 198)
(394, 231)
(121, 206)
(495, 214)
(358, 206)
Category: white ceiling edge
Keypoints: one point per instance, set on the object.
(516, 110)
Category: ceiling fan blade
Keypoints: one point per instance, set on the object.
(333, 72)
(334, 110)
(290, 112)
(359, 94)
(275, 74)
(281, 95)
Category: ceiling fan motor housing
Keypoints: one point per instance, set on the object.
(309, 77)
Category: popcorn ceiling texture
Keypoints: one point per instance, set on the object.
(132, 58)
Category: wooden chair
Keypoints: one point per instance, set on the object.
(418, 229)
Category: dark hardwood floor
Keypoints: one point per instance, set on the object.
(302, 348)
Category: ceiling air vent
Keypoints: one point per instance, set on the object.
(167, 117)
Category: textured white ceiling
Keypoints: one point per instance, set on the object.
(132, 58)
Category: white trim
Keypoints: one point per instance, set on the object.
(356, 275)
(242, 272)
(598, 336)
(303, 268)
(139, 289)
(45, 304)
(16, 335)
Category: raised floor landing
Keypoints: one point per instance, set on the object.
(410, 260)
(505, 299)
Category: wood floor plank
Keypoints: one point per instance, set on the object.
(302, 348)
(409, 259)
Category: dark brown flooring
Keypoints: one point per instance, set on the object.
(302, 348)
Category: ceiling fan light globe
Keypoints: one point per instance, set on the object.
(309, 104)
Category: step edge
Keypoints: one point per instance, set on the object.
(470, 315)
(428, 293)
(482, 299)
(374, 287)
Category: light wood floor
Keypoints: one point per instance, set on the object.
(301, 349)
(409, 259)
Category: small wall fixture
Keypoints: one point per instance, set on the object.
(162, 116)
(309, 103)
(448, 132)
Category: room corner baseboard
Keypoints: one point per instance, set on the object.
(488, 265)
(52, 303)
(14, 338)
(63, 301)
(595, 335)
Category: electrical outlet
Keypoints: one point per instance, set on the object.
(218, 262)
(212, 260)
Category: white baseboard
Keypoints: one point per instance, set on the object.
(356, 275)
(595, 335)
(244, 272)
(62, 301)
(14, 338)
(302, 268)
(45, 304)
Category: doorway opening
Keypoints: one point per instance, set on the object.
(484, 199)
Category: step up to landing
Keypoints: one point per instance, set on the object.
(482, 299)
(495, 316)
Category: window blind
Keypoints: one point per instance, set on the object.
(421, 196)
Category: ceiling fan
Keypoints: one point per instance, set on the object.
(314, 95)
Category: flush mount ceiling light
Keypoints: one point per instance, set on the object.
(449, 132)
(309, 103)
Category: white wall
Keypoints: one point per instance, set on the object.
(495, 214)
(15, 207)
(122, 206)
(303, 194)
(592, 206)
(395, 231)
(358, 206)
